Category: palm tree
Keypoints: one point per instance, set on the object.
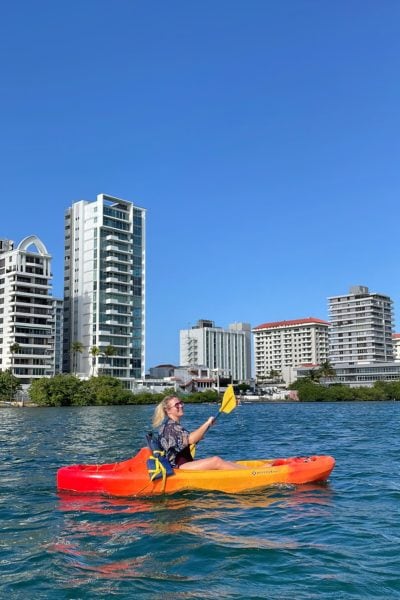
(76, 347)
(94, 352)
(13, 349)
(108, 352)
(326, 371)
(314, 375)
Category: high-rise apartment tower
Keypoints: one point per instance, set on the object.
(361, 327)
(26, 310)
(104, 288)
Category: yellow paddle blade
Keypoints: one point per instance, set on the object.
(229, 401)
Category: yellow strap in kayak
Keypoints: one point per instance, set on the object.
(158, 469)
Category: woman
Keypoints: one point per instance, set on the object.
(176, 440)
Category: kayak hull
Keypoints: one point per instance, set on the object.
(130, 478)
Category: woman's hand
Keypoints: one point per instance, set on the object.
(210, 421)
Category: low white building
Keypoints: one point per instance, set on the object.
(196, 378)
(366, 374)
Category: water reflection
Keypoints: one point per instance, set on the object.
(214, 503)
(156, 535)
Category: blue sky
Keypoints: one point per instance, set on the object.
(263, 138)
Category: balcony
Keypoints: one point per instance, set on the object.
(112, 321)
(17, 285)
(113, 269)
(18, 317)
(119, 259)
(112, 311)
(103, 344)
(119, 301)
(124, 292)
(119, 334)
(25, 349)
(32, 293)
(120, 269)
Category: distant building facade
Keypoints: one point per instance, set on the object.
(281, 345)
(361, 327)
(227, 352)
(161, 371)
(396, 346)
(195, 378)
(104, 288)
(352, 375)
(365, 374)
(183, 379)
(58, 324)
(26, 310)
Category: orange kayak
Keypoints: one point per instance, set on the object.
(131, 477)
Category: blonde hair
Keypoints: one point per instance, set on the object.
(160, 411)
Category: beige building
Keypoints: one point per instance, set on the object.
(281, 345)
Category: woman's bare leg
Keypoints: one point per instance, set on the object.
(212, 463)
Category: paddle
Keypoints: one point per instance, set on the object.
(228, 403)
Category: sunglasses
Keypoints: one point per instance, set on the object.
(176, 405)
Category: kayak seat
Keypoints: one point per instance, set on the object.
(158, 465)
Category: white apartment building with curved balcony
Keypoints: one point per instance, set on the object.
(104, 288)
(26, 310)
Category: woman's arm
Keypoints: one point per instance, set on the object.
(198, 434)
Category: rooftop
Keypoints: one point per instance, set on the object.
(292, 323)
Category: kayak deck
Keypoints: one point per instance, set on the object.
(131, 477)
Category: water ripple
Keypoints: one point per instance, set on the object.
(331, 541)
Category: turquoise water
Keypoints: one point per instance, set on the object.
(334, 540)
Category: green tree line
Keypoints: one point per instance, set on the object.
(68, 390)
(308, 391)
